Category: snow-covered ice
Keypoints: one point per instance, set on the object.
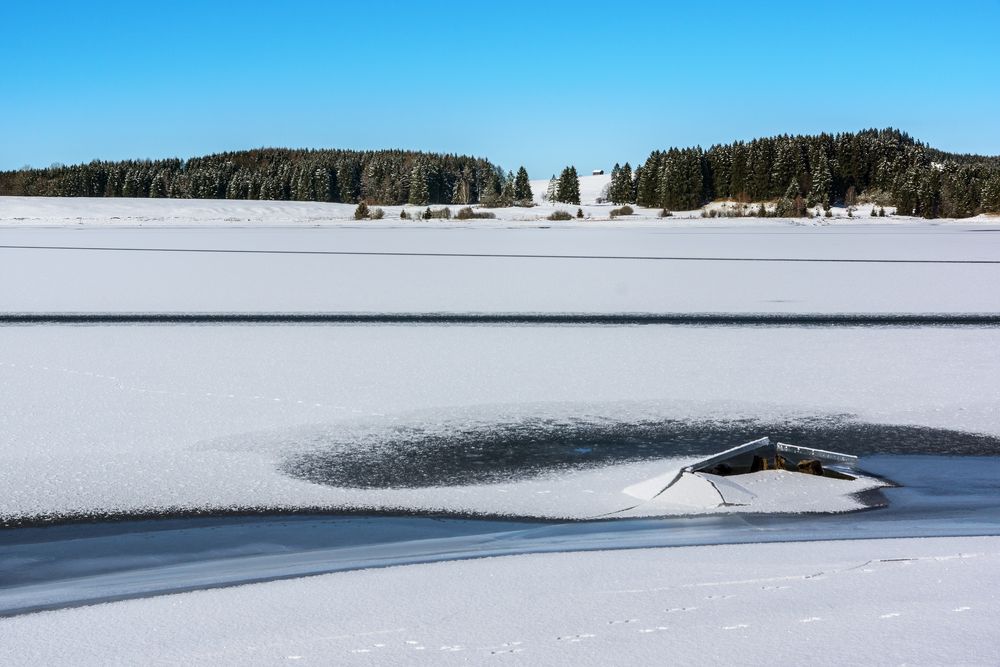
(878, 602)
(113, 419)
(428, 267)
(131, 418)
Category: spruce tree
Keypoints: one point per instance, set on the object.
(522, 187)
(621, 191)
(615, 185)
(507, 190)
(991, 194)
(627, 193)
(419, 196)
(787, 204)
(569, 186)
(822, 181)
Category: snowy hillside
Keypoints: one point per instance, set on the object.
(591, 188)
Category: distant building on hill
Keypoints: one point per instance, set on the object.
(597, 172)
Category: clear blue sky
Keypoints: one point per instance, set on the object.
(542, 84)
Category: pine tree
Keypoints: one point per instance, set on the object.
(569, 186)
(522, 187)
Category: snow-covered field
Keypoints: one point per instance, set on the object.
(144, 419)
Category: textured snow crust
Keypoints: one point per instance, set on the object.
(102, 419)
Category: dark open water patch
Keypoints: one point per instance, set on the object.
(506, 451)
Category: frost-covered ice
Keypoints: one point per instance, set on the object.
(124, 419)
(134, 418)
(924, 602)
(88, 280)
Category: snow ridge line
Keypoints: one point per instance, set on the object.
(372, 253)
(507, 318)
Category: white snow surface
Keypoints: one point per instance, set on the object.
(135, 418)
(144, 418)
(428, 267)
(877, 602)
(125, 418)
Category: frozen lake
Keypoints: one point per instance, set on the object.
(144, 459)
(106, 420)
(462, 267)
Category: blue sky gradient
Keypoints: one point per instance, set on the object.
(533, 83)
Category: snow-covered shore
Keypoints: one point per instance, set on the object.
(876, 602)
(144, 212)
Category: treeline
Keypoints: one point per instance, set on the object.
(884, 167)
(887, 167)
(384, 177)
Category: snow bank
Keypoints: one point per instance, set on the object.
(125, 212)
(912, 601)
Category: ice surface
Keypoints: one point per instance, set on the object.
(136, 418)
(90, 280)
(911, 601)
(124, 419)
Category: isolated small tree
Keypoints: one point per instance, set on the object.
(402, 214)
(579, 212)
(361, 212)
(427, 213)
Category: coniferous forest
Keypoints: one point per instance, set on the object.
(385, 177)
(886, 167)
